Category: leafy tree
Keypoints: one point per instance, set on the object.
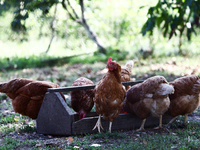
(24, 7)
(174, 17)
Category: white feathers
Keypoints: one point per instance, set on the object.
(115, 102)
(165, 89)
(129, 65)
(149, 95)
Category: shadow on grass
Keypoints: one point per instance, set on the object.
(43, 60)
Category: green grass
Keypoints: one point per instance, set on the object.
(33, 61)
(2, 96)
(107, 135)
(7, 119)
(16, 122)
(184, 138)
(10, 144)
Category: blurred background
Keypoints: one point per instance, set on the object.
(46, 33)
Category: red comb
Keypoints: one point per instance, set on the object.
(109, 59)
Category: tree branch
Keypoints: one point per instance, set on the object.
(82, 10)
(53, 27)
(76, 18)
(91, 34)
(73, 9)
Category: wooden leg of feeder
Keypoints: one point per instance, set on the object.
(98, 124)
(110, 125)
(171, 121)
(160, 123)
(185, 120)
(142, 126)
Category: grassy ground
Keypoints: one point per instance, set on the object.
(18, 132)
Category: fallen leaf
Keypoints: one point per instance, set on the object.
(16, 119)
(95, 145)
(188, 139)
(76, 146)
(70, 139)
(193, 132)
(145, 143)
(38, 145)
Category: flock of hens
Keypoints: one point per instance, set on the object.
(155, 96)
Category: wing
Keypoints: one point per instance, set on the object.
(11, 87)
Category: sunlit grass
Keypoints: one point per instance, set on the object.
(38, 47)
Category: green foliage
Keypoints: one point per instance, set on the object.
(98, 57)
(172, 17)
(10, 143)
(23, 62)
(121, 29)
(7, 119)
(108, 135)
(2, 96)
(27, 128)
(44, 60)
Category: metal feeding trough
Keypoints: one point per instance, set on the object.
(56, 118)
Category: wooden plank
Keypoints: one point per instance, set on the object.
(76, 88)
(123, 122)
(55, 117)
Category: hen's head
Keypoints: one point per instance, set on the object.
(81, 114)
(111, 65)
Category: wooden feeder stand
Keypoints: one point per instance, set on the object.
(56, 118)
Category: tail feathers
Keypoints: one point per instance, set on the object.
(129, 65)
(196, 87)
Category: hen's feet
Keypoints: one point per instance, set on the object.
(157, 128)
(142, 126)
(98, 125)
(140, 130)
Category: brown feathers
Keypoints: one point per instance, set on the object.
(109, 93)
(149, 97)
(186, 96)
(27, 95)
(82, 101)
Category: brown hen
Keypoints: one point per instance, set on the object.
(109, 94)
(27, 95)
(126, 72)
(186, 96)
(82, 101)
(149, 98)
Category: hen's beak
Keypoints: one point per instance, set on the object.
(107, 66)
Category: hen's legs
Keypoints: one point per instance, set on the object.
(171, 121)
(142, 126)
(98, 124)
(110, 125)
(160, 123)
(185, 120)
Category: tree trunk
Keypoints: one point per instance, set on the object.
(92, 35)
(83, 22)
